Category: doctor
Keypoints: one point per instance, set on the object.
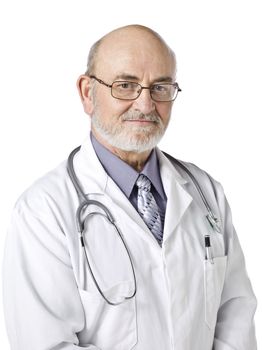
(173, 282)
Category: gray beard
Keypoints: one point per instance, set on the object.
(133, 139)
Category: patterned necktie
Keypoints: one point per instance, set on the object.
(148, 208)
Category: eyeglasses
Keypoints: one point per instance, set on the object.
(129, 90)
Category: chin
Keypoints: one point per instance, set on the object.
(135, 143)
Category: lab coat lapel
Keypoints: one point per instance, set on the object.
(178, 199)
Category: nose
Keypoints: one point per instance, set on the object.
(144, 102)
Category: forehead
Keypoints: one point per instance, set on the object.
(135, 53)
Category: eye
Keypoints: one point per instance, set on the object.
(125, 85)
(159, 88)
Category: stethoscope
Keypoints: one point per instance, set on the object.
(105, 213)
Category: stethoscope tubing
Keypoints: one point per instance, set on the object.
(80, 226)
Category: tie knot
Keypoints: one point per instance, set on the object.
(143, 183)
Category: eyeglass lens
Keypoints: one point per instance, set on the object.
(130, 91)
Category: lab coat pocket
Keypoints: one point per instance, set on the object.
(214, 275)
(110, 326)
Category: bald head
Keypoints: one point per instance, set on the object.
(132, 36)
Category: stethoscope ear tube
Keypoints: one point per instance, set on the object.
(72, 174)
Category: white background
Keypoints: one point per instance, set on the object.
(216, 119)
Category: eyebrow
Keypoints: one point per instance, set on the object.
(166, 79)
(123, 76)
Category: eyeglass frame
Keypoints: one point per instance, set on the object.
(141, 88)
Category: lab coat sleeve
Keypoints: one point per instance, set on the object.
(42, 305)
(235, 326)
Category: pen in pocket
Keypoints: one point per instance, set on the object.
(208, 250)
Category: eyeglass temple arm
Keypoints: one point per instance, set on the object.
(100, 81)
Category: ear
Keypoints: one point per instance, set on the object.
(84, 90)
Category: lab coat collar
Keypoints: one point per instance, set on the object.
(89, 170)
(88, 167)
(167, 167)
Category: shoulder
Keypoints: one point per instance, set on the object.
(203, 177)
(44, 192)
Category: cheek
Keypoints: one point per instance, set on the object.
(119, 107)
(110, 109)
(164, 111)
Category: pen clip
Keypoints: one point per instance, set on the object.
(214, 222)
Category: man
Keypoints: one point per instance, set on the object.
(148, 271)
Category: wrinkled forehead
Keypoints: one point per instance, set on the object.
(134, 52)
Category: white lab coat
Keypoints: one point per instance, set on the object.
(183, 302)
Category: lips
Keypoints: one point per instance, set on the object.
(151, 119)
(140, 118)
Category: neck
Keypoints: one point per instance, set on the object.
(134, 159)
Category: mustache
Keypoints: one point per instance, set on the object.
(134, 115)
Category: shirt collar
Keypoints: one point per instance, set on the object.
(123, 174)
